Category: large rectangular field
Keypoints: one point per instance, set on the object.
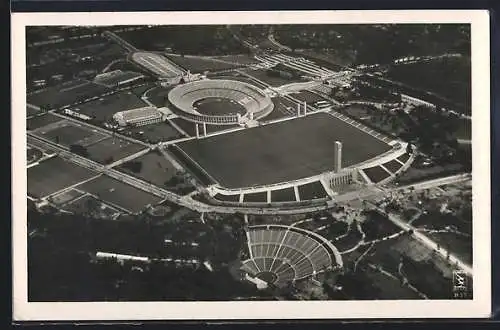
(53, 175)
(66, 133)
(104, 108)
(66, 94)
(154, 168)
(112, 149)
(119, 193)
(284, 151)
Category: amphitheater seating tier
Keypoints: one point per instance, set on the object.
(288, 253)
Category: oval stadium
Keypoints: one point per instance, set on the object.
(221, 102)
(283, 254)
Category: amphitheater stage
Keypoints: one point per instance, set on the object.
(280, 152)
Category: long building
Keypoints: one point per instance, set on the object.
(138, 117)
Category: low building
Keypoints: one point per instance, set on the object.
(138, 117)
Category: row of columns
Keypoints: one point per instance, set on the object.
(204, 126)
(304, 113)
(345, 179)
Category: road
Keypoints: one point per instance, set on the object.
(436, 182)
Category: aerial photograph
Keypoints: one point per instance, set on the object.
(249, 162)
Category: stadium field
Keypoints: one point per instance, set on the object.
(53, 175)
(118, 193)
(279, 152)
(112, 149)
(104, 108)
(40, 121)
(215, 106)
(154, 168)
(67, 133)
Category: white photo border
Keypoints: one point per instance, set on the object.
(479, 306)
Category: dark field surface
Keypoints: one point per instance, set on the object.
(112, 149)
(392, 166)
(404, 158)
(274, 81)
(282, 108)
(309, 97)
(158, 96)
(66, 94)
(104, 109)
(69, 133)
(155, 168)
(31, 111)
(283, 195)
(280, 152)
(119, 193)
(239, 77)
(40, 121)
(260, 197)
(227, 198)
(199, 65)
(53, 175)
(155, 133)
(81, 206)
(312, 190)
(376, 173)
(214, 106)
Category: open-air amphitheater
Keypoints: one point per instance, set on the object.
(280, 254)
(256, 103)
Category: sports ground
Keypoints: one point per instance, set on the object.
(53, 175)
(281, 152)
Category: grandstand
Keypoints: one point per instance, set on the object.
(157, 64)
(254, 101)
(281, 254)
(138, 117)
